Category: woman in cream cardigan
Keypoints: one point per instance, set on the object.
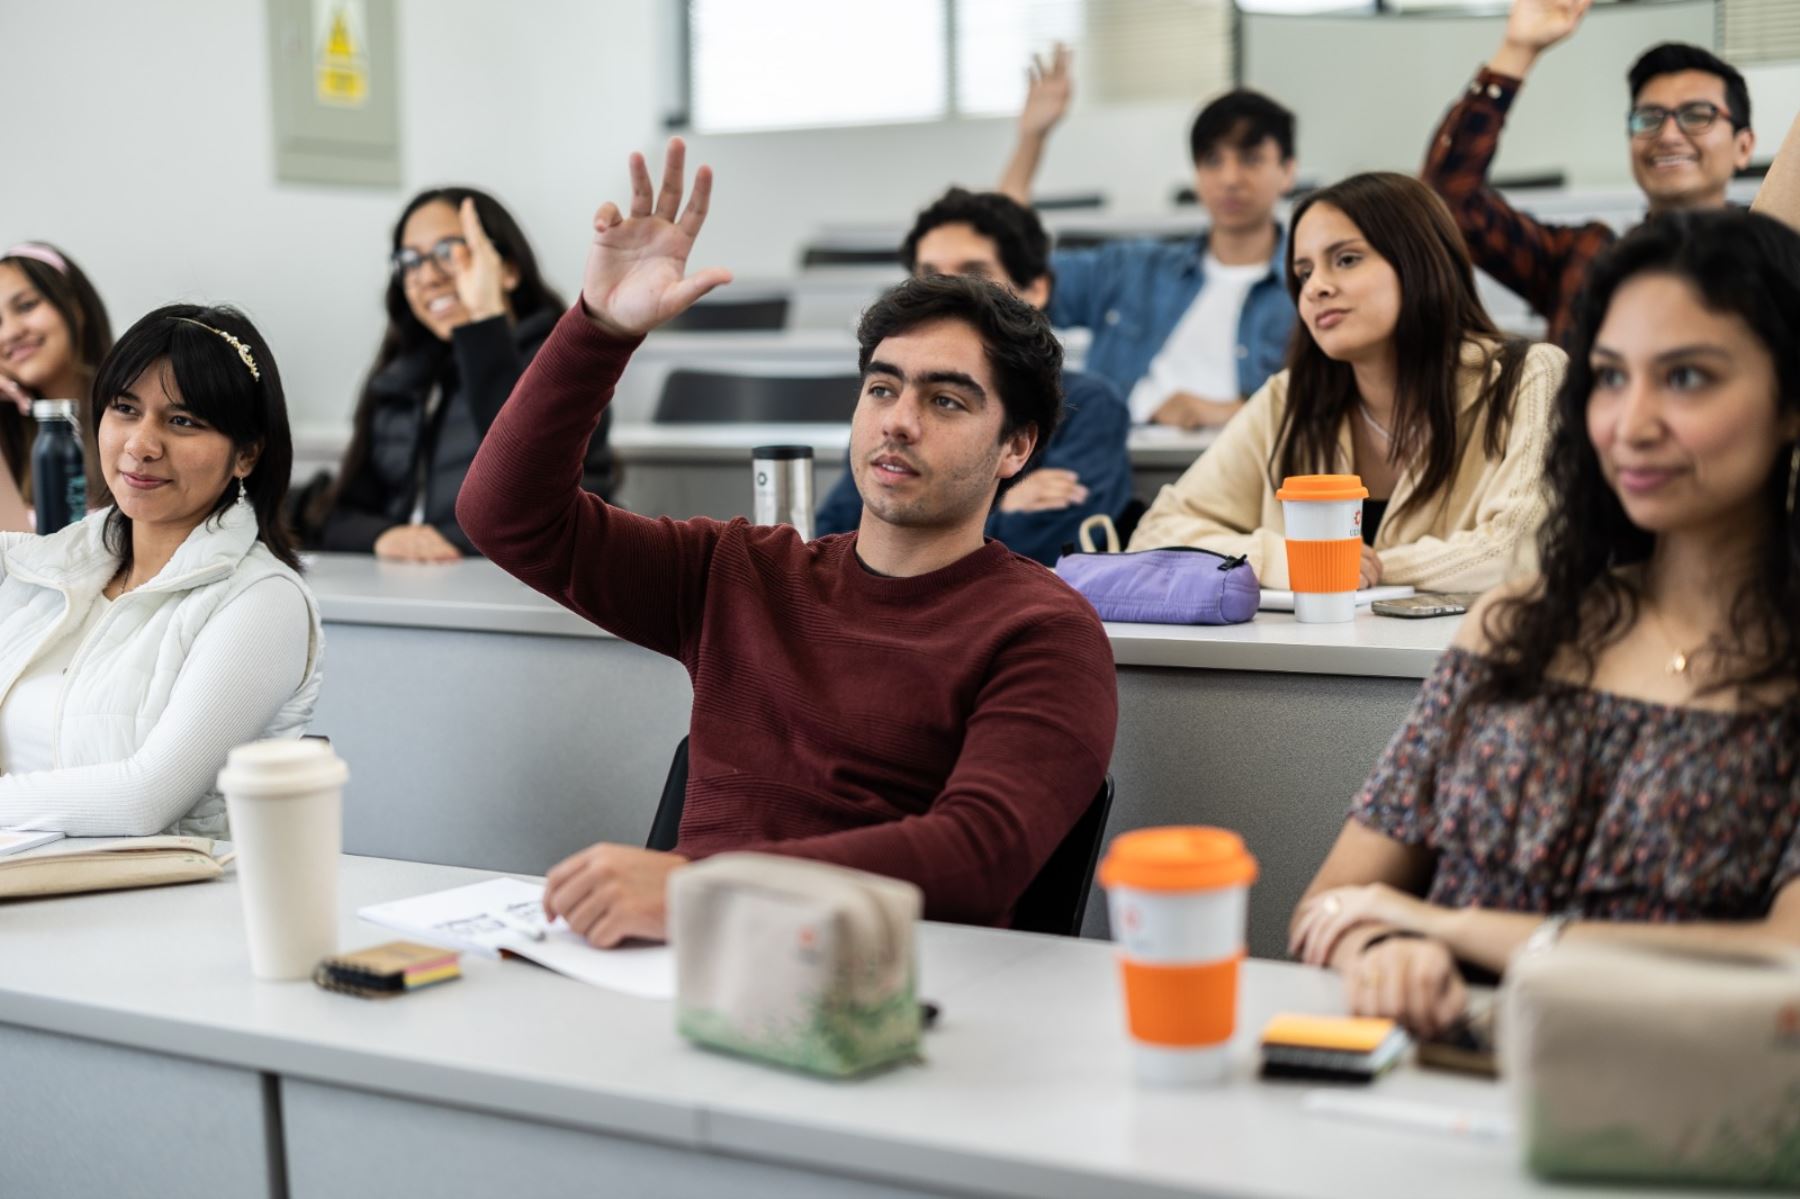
(1397, 374)
(140, 644)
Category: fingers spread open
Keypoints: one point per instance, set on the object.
(698, 203)
(640, 186)
(668, 200)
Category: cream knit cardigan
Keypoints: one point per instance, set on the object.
(1476, 534)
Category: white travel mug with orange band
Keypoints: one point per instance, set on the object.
(1177, 898)
(1323, 515)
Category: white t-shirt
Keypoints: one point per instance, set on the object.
(1201, 356)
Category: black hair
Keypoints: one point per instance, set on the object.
(1242, 118)
(1015, 230)
(1022, 350)
(1671, 57)
(407, 335)
(90, 333)
(1440, 315)
(1741, 264)
(218, 388)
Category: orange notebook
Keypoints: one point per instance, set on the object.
(1344, 1048)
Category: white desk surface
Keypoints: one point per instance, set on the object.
(1149, 446)
(1026, 1090)
(477, 596)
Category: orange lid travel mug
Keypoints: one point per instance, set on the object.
(1323, 515)
(1178, 899)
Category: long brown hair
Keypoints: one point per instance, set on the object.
(90, 333)
(405, 333)
(1408, 225)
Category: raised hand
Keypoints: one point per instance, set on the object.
(1536, 25)
(1049, 83)
(636, 274)
(478, 271)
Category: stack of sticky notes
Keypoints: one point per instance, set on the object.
(394, 968)
(1338, 1048)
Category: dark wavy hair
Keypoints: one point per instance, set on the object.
(1741, 264)
(1244, 118)
(1672, 57)
(407, 335)
(90, 332)
(1018, 236)
(1022, 350)
(218, 388)
(1407, 224)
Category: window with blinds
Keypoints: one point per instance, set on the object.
(778, 64)
(1752, 31)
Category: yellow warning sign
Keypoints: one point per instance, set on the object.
(341, 76)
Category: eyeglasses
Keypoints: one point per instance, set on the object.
(407, 262)
(1696, 116)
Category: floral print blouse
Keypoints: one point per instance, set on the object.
(1590, 803)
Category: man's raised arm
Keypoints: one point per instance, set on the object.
(522, 503)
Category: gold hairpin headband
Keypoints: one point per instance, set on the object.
(243, 351)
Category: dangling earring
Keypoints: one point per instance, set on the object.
(243, 500)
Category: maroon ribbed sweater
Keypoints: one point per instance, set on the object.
(947, 729)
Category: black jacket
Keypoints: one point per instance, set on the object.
(476, 374)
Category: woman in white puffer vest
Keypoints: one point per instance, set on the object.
(138, 646)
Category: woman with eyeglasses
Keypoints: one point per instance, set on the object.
(467, 310)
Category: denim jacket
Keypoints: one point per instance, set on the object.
(1133, 293)
(1090, 441)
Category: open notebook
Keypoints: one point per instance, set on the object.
(506, 916)
(1283, 601)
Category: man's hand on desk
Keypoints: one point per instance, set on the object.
(1047, 490)
(612, 893)
(1185, 410)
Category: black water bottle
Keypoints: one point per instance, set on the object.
(58, 476)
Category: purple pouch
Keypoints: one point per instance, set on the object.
(1177, 585)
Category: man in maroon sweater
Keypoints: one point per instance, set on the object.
(910, 699)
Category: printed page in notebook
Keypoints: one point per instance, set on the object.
(507, 915)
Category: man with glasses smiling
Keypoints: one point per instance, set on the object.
(1688, 129)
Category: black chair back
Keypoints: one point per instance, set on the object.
(732, 316)
(1055, 902)
(665, 829)
(714, 397)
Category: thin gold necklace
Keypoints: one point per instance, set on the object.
(1679, 661)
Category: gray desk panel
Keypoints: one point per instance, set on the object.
(347, 1144)
(79, 1118)
(499, 750)
(1274, 757)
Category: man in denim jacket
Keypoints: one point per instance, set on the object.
(1188, 329)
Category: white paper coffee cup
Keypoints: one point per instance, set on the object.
(285, 802)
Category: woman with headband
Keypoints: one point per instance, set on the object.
(139, 645)
(53, 334)
(467, 310)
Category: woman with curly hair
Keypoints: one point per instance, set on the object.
(1611, 749)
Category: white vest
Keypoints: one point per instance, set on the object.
(117, 687)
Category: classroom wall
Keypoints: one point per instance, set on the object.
(139, 140)
(144, 134)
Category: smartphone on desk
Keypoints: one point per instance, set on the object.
(1417, 607)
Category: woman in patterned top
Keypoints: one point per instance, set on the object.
(1613, 745)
